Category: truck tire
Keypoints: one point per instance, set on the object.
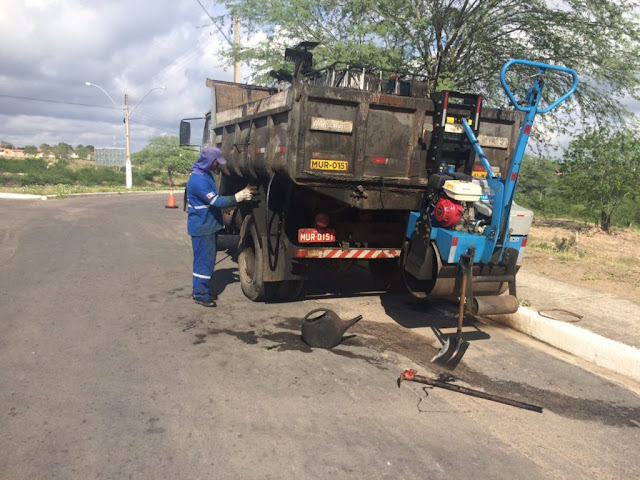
(250, 261)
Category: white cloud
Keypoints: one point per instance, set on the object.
(51, 47)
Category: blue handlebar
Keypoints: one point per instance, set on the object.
(543, 67)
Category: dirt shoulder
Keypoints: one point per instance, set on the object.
(580, 254)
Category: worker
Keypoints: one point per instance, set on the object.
(204, 220)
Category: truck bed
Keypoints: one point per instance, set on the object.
(365, 149)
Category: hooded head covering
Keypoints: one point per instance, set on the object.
(206, 159)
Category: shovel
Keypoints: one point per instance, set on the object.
(454, 346)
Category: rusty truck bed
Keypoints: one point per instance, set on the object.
(366, 149)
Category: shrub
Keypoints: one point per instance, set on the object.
(28, 165)
(148, 176)
(567, 247)
(139, 177)
(564, 244)
(99, 176)
(628, 215)
(53, 176)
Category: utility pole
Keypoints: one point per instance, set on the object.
(236, 46)
(128, 178)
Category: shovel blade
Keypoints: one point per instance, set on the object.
(461, 349)
(446, 351)
(451, 352)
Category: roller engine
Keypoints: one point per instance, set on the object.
(455, 205)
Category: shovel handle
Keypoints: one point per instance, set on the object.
(466, 267)
(463, 290)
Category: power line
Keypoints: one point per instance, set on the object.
(213, 22)
(79, 104)
(156, 114)
(181, 62)
(152, 126)
(56, 101)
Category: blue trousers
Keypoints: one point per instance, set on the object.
(204, 261)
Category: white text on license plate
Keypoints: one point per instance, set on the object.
(316, 235)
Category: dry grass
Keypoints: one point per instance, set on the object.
(581, 254)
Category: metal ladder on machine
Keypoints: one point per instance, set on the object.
(450, 151)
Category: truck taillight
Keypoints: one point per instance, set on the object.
(322, 220)
(380, 160)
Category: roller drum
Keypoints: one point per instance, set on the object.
(494, 305)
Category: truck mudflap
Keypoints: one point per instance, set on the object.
(347, 253)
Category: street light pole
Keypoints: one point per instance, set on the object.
(128, 177)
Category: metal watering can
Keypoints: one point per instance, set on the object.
(323, 328)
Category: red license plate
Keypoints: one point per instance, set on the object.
(316, 235)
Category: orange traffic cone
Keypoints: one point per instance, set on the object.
(172, 201)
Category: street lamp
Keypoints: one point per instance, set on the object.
(127, 116)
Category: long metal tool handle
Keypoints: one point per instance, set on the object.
(463, 293)
(411, 375)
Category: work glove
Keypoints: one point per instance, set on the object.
(245, 194)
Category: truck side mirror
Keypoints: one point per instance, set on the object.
(185, 133)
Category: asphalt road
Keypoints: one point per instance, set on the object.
(108, 370)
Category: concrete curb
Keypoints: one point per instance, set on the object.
(604, 352)
(109, 194)
(27, 196)
(23, 196)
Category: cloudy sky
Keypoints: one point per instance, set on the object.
(50, 48)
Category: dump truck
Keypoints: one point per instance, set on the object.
(350, 163)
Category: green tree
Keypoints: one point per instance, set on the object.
(62, 151)
(466, 41)
(538, 177)
(540, 189)
(84, 152)
(30, 150)
(602, 169)
(4, 144)
(165, 153)
(538, 185)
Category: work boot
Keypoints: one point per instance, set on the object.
(206, 303)
(212, 296)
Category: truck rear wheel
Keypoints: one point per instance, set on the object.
(250, 261)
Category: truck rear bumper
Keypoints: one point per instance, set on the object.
(347, 253)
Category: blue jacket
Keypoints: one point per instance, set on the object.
(204, 216)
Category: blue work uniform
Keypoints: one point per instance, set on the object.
(204, 221)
